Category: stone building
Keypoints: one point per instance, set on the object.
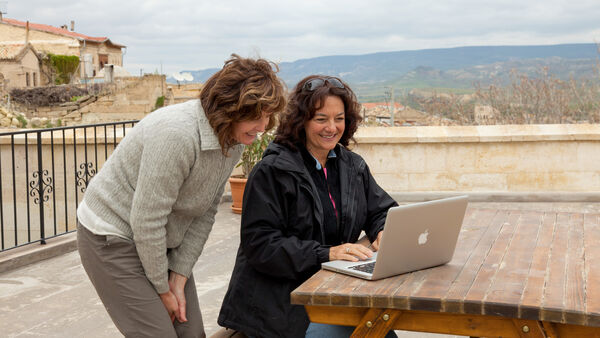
(93, 52)
(20, 66)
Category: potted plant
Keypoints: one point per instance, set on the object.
(251, 155)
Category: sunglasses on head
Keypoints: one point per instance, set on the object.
(318, 82)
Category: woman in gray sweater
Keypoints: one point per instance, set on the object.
(146, 215)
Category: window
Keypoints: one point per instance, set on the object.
(102, 60)
(34, 79)
(27, 79)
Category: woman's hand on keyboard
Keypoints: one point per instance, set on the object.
(350, 252)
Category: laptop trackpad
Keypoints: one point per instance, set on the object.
(341, 264)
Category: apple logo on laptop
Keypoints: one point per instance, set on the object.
(423, 237)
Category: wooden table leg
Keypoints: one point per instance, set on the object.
(376, 323)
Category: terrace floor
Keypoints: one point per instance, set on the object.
(54, 298)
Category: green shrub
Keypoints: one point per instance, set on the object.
(253, 152)
(64, 66)
(160, 102)
(22, 120)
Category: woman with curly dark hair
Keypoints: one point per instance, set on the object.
(305, 203)
(147, 213)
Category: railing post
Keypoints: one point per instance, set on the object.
(41, 187)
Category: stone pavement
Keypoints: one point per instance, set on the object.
(54, 298)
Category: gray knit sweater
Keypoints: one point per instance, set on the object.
(162, 186)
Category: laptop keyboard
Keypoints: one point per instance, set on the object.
(367, 267)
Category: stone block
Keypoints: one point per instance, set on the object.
(462, 134)
(584, 131)
(405, 158)
(497, 133)
(392, 182)
(432, 134)
(555, 132)
(588, 156)
(482, 182)
(386, 135)
(432, 182)
(5, 122)
(524, 132)
(527, 156)
(554, 181)
(35, 122)
(462, 157)
(435, 157)
(496, 157)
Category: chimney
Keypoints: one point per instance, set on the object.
(72, 25)
(27, 32)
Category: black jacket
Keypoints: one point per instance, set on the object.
(277, 253)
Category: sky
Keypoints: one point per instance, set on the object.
(176, 35)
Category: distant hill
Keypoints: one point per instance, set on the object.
(454, 68)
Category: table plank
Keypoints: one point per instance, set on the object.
(384, 293)
(327, 290)
(591, 230)
(553, 303)
(304, 293)
(506, 288)
(475, 297)
(533, 293)
(575, 279)
(490, 222)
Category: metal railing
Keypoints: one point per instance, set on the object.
(44, 174)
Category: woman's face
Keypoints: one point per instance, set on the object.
(325, 129)
(245, 131)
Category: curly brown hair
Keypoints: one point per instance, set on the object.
(303, 104)
(242, 91)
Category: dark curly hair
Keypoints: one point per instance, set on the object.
(303, 104)
(241, 91)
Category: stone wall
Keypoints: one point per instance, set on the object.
(411, 163)
(128, 98)
(552, 159)
(132, 98)
(177, 93)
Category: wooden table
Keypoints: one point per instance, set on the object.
(514, 274)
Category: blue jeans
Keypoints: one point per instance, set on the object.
(316, 330)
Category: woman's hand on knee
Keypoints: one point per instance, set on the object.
(350, 252)
(170, 302)
(177, 288)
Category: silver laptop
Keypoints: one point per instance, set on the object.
(416, 236)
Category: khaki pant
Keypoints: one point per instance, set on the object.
(115, 269)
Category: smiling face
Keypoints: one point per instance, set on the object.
(245, 131)
(325, 129)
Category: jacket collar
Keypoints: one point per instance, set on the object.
(289, 160)
(208, 139)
